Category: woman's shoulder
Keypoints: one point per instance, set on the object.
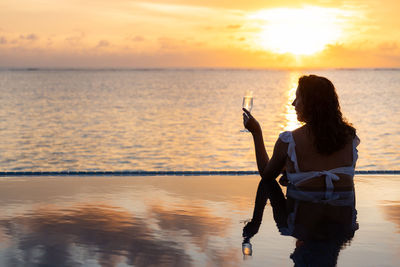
(356, 140)
(353, 140)
(287, 136)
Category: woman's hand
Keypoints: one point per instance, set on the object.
(250, 123)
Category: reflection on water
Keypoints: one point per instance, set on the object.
(148, 227)
(195, 222)
(191, 221)
(56, 237)
(109, 236)
(291, 121)
(391, 210)
(321, 225)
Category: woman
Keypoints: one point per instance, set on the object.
(320, 155)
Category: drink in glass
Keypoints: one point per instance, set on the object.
(247, 103)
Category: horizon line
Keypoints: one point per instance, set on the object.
(162, 173)
(190, 68)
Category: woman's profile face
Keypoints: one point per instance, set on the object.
(298, 106)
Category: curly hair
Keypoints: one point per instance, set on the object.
(321, 111)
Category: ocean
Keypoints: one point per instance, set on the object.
(176, 119)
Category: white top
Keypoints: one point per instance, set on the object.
(330, 175)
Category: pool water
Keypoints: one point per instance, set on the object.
(172, 221)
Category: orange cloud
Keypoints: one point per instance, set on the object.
(233, 27)
(31, 37)
(103, 43)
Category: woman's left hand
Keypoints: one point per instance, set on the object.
(250, 123)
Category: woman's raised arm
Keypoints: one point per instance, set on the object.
(267, 168)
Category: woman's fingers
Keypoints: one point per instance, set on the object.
(245, 118)
(247, 112)
(250, 122)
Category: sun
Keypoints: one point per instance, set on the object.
(298, 31)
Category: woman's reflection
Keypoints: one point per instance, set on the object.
(321, 226)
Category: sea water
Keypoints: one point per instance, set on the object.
(165, 119)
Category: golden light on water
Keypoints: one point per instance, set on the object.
(291, 121)
(298, 31)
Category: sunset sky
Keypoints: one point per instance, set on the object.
(194, 33)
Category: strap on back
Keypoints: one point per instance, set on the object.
(287, 137)
(356, 142)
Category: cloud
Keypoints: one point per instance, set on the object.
(103, 43)
(3, 40)
(75, 39)
(30, 37)
(179, 46)
(355, 55)
(233, 27)
(49, 41)
(168, 43)
(171, 52)
(388, 46)
(137, 38)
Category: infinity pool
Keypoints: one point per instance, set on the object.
(172, 221)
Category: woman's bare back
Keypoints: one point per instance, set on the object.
(309, 159)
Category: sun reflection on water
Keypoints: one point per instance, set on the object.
(291, 121)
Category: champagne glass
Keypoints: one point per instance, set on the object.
(247, 248)
(247, 104)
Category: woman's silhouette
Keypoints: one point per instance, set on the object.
(318, 161)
